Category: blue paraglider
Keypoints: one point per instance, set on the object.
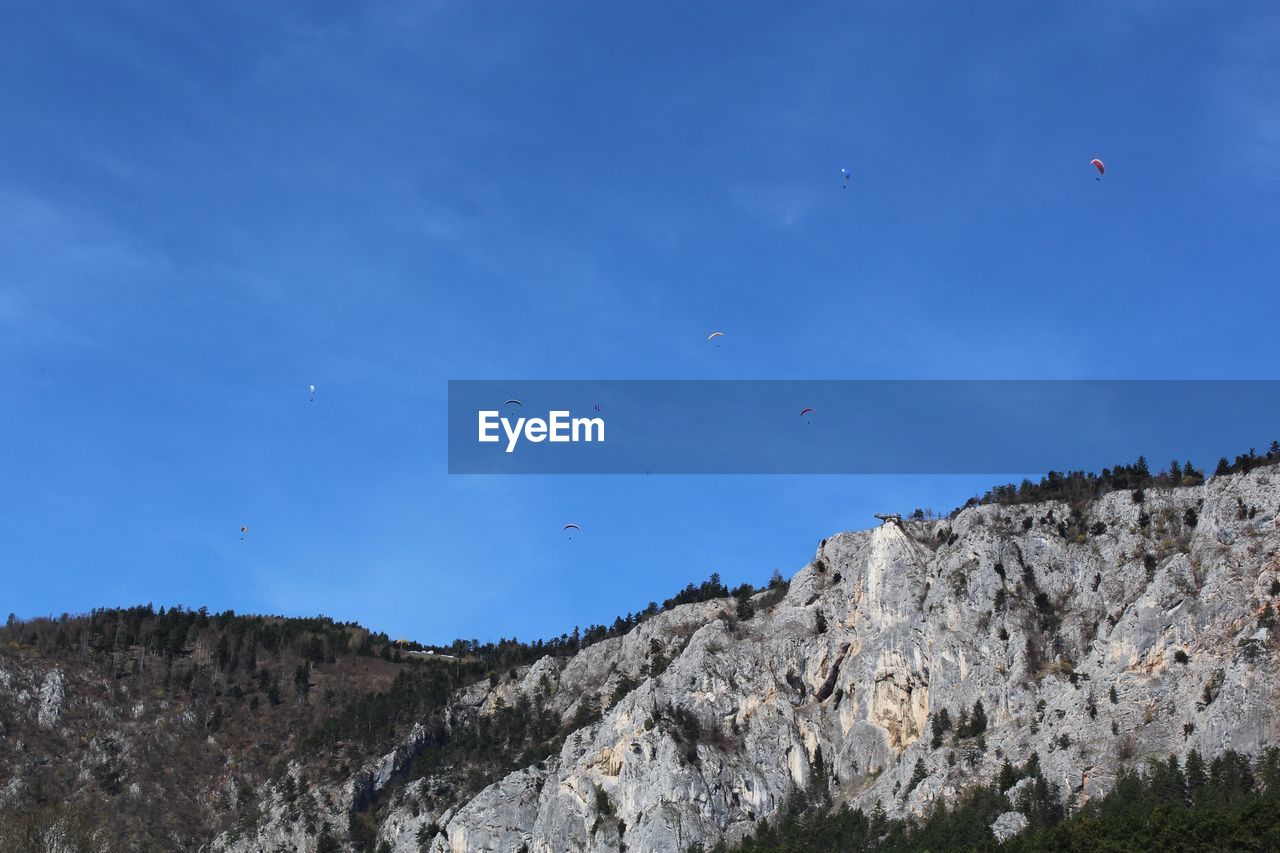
(845, 174)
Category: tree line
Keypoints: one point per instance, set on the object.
(1080, 487)
(1231, 803)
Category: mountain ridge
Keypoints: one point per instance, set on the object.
(703, 719)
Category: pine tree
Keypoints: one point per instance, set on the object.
(1008, 776)
(1167, 781)
(302, 682)
(917, 776)
(1196, 776)
(1269, 769)
(941, 724)
(326, 843)
(1141, 469)
(978, 722)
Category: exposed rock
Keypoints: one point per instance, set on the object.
(1144, 637)
(51, 693)
(1008, 825)
(1037, 626)
(501, 817)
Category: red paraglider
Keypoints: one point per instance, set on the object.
(1100, 166)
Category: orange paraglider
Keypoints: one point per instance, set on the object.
(1100, 166)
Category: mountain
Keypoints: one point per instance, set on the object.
(1077, 631)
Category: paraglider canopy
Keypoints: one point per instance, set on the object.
(715, 335)
(312, 388)
(572, 527)
(513, 403)
(806, 411)
(1099, 165)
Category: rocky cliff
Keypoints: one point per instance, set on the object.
(1134, 626)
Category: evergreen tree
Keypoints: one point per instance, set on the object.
(918, 775)
(941, 725)
(1195, 774)
(978, 722)
(1140, 469)
(302, 681)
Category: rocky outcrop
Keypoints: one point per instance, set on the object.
(1008, 825)
(1153, 633)
(50, 704)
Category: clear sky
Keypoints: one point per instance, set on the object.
(207, 207)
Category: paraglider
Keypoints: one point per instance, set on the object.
(713, 336)
(572, 526)
(845, 174)
(1100, 166)
(597, 407)
(243, 531)
(313, 393)
(807, 411)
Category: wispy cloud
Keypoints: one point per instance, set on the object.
(1244, 98)
(58, 265)
(778, 205)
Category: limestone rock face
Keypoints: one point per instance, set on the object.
(501, 817)
(51, 693)
(1153, 633)
(1008, 825)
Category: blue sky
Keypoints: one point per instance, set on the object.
(208, 207)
